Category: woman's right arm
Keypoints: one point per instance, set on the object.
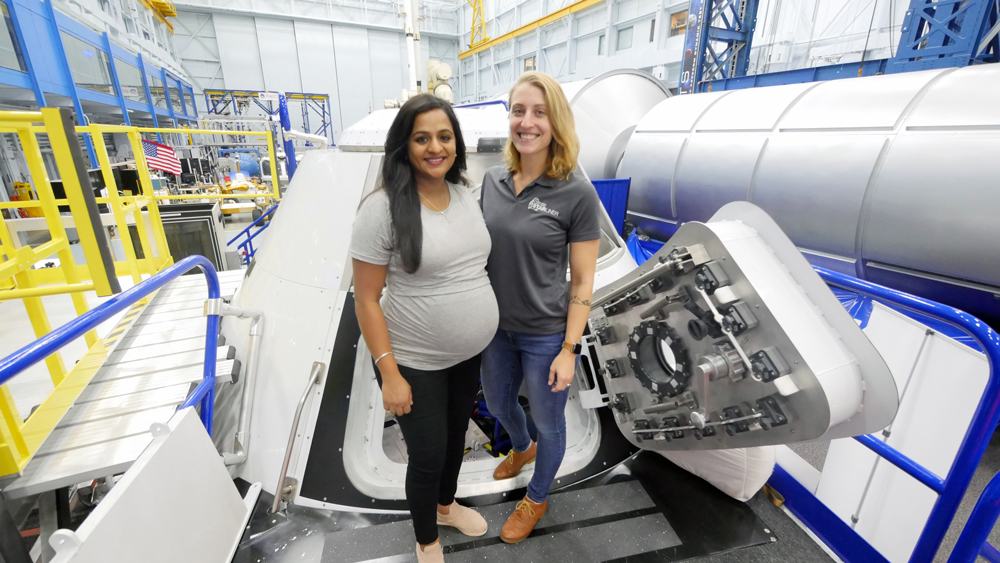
(369, 279)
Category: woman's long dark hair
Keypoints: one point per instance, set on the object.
(399, 182)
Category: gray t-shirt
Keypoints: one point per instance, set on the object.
(445, 312)
(530, 233)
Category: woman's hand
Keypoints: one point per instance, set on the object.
(396, 395)
(562, 371)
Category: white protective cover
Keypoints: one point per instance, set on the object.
(739, 472)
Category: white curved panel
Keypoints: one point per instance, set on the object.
(650, 161)
(934, 207)
(755, 109)
(679, 113)
(605, 109)
(715, 170)
(828, 175)
(309, 233)
(966, 97)
(873, 102)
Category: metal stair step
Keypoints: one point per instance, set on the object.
(170, 358)
(118, 406)
(62, 469)
(157, 328)
(164, 350)
(226, 371)
(196, 313)
(104, 430)
(139, 369)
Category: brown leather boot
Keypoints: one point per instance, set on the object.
(522, 520)
(514, 462)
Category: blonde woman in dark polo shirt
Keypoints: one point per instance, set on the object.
(422, 237)
(542, 214)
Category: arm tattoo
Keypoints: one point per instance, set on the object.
(574, 300)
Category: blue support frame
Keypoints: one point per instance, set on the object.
(67, 75)
(717, 42)
(149, 96)
(945, 33)
(35, 85)
(848, 545)
(166, 96)
(286, 125)
(114, 77)
(935, 34)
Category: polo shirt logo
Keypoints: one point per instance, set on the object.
(537, 205)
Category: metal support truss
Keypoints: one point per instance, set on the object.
(947, 33)
(315, 108)
(478, 35)
(935, 34)
(717, 42)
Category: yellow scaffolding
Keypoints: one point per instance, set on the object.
(478, 34)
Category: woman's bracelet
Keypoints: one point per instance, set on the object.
(382, 356)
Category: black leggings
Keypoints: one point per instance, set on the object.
(434, 431)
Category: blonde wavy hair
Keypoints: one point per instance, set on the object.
(565, 147)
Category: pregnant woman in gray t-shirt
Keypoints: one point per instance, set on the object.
(422, 237)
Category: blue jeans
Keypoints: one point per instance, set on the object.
(516, 357)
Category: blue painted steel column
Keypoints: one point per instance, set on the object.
(286, 125)
(35, 86)
(149, 95)
(114, 78)
(166, 96)
(67, 75)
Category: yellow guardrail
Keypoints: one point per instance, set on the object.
(19, 440)
(19, 280)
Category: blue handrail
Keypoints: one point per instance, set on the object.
(984, 421)
(490, 103)
(247, 245)
(977, 530)
(53, 341)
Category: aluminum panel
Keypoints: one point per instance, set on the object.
(934, 207)
(769, 104)
(679, 113)
(239, 52)
(704, 183)
(813, 186)
(650, 161)
(278, 55)
(964, 97)
(873, 102)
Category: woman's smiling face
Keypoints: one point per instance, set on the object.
(432, 145)
(530, 129)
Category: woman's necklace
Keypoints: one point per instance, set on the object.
(433, 207)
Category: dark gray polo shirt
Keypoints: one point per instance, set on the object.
(530, 254)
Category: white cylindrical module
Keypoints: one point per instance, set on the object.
(881, 177)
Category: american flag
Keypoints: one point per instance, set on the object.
(161, 157)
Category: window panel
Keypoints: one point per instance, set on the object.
(89, 65)
(10, 49)
(130, 79)
(156, 89)
(624, 38)
(678, 23)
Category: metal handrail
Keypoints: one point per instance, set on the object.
(314, 378)
(252, 236)
(977, 530)
(53, 341)
(952, 488)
